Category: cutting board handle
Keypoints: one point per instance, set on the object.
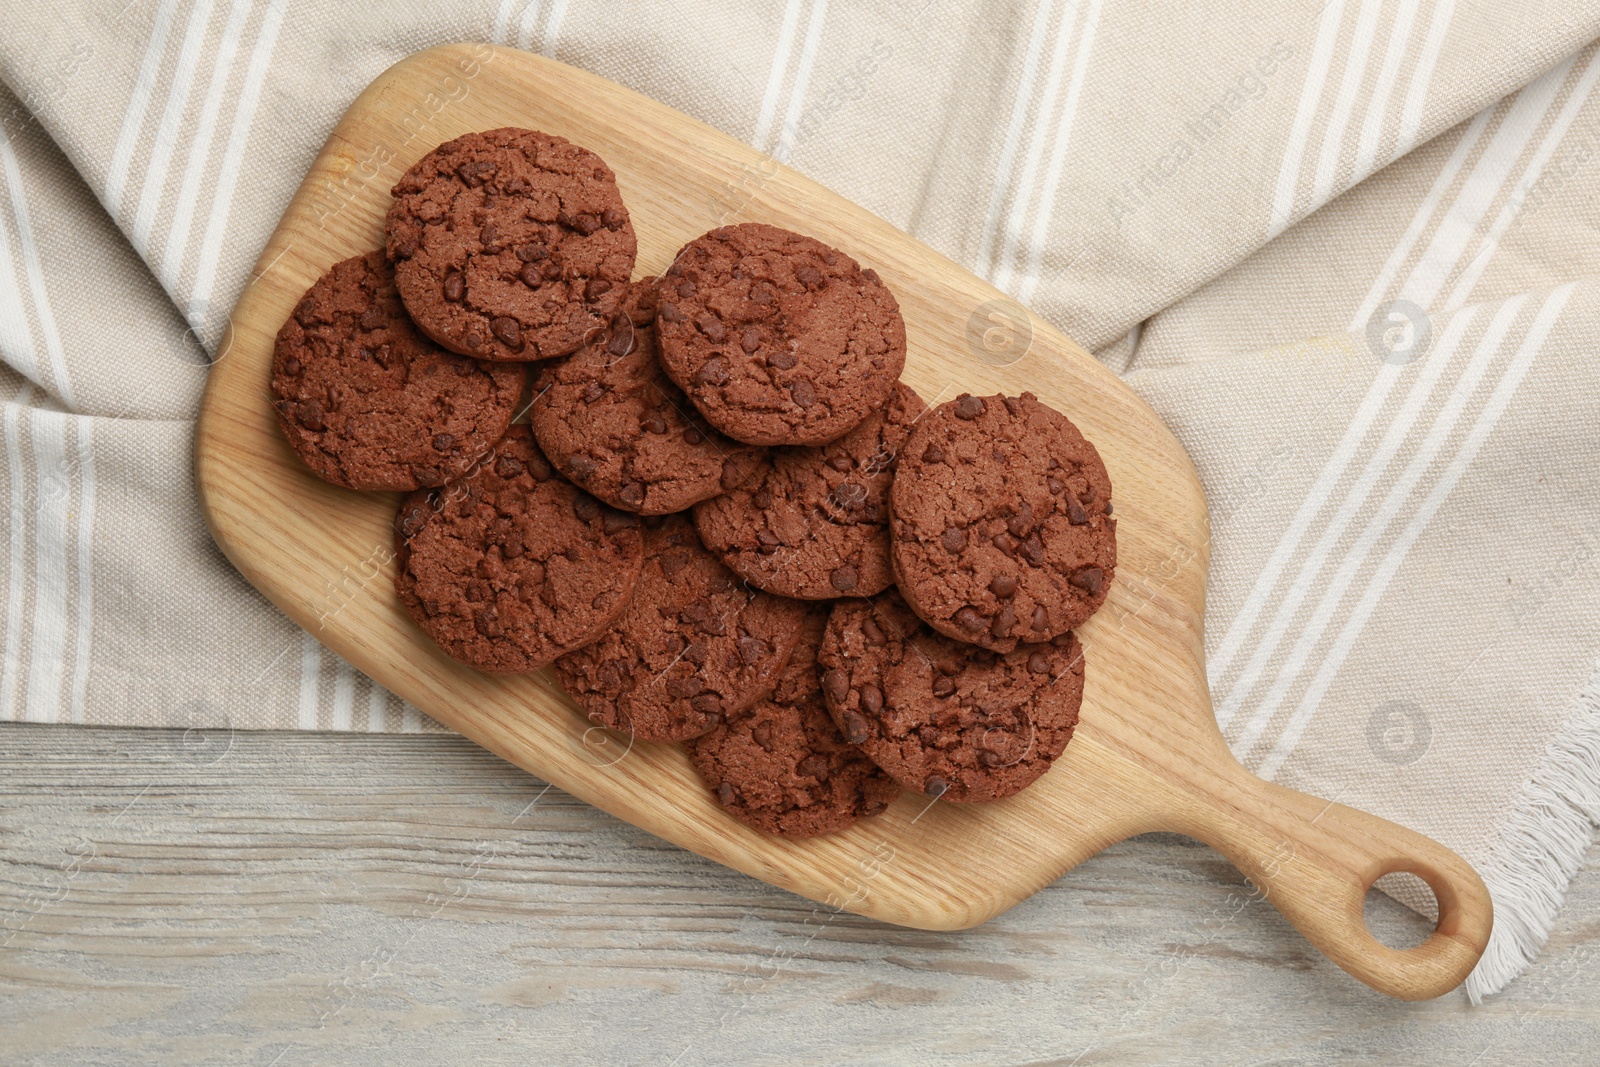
(1314, 860)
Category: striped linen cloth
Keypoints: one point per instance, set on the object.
(1349, 249)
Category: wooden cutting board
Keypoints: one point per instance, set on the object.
(1147, 754)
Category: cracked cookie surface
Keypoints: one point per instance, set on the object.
(510, 244)
(813, 523)
(369, 403)
(612, 421)
(783, 766)
(511, 566)
(1000, 522)
(694, 645)
(776, 337)
(942, 717)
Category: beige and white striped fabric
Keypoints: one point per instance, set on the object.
(1348, 248)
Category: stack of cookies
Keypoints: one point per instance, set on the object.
(726, 522)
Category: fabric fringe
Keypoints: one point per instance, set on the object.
(1542, 847)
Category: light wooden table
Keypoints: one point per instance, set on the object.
(286, 899)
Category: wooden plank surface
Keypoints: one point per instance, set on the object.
(1147, 754)
(286, 899)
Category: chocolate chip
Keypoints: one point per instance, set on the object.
(1003, 585)
(1021, 520)
(856, 727)
(476, 171)
(508, 330)
(653, 423)
(933, 454)
(843, 578)
(871, 699)
(954, 539)
(943, 686)
(969, 619)
(1061, 640)
(871, 631)
(935, 786)
(443, 442)
(968, 406)
(291, 367)
(726, 795)
(489, 237)
(811, 277)
(715, 372)
(713, 328)
(669, 313)
(593, 392)
(531, 276)
(752, 649)
(836, 684)
(310, 414)
(782, 359)
(1090, 579)
(532, 252)
(596, 288)
(455, 286)
(1004, 620)
(586, 223)
(803, 392)
(750, 339)
(1076, 513)
(1108, 507)
(869, 274)
(1004, 542)
(632, 494)
(1041, 618)
(1013, 405)
(687, 288)
(586, 507)
(583, 465)
(841, 462)
(613, 219)
(1039, 663)
(707, 704)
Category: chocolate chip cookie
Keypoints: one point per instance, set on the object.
(813, 523)
(512, 566)
(1000, 522)
(777, 338)
(944, 717)
(693, 646)
(611, 420)
(367, 402)
(510, 244)
(783, 766)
